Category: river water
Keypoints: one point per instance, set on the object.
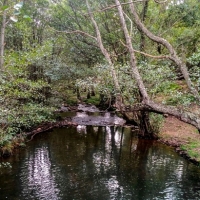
(97, 163)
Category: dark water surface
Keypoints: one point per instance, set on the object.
(97, 163)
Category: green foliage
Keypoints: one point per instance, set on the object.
(94, 100)
(179, 98)
(194, 61)
(156, 121)
(24, 93)
(27, 116)
(166, 87)
(192, 148)
(158, 78)
(24, 90)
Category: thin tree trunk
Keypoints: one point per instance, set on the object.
(135, 71)
(173, 55)
(142, 37)
(2, 44)
(118, 103)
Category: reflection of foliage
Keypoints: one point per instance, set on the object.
(5, 165)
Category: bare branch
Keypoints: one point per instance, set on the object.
(160, 2)
(78, 32)
(114, 6)
(152, 56)
(131, 29)
(149, 55)
(106, 54)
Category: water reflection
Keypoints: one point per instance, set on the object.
(92, 163)
(37, 179)
(97, 119)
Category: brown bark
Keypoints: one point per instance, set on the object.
(173, 55)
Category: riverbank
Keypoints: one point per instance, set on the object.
(183, 137)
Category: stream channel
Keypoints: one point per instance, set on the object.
(97, 163)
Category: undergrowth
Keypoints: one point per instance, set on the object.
(193, 149)
(156, 121)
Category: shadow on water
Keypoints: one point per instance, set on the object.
(88, 162)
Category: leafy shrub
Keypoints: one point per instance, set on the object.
(94, 100)
(179, 98)
(194, 70)
(156, 121)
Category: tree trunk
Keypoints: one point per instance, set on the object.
(2, 44)
(119, 101)
(173, 55)
(78, 93)
(184, 116)
(92, 91)
(88, 94)
(135, 72)
(147, 104)
(142, 37)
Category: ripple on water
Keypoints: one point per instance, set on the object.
(37, 178)
(101, 163)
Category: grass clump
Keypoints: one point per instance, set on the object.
(94, 100)
(193, 149)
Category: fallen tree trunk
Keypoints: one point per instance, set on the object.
(151, 106)
(184, 116)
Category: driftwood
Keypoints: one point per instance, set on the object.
(49, 126)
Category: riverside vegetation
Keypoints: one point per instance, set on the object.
(116, 54)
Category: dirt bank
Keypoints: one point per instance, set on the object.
(184, 137)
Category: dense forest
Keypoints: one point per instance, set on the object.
(141, 58)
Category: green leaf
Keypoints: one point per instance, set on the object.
(5, 7)
(27, 17)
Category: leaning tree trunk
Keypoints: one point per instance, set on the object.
(119, 100)
(173, 55)
(146, 103)
(184, 116)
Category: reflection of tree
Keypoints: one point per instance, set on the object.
(105, 163)
(38, 181)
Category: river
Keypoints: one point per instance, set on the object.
(97, 163)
